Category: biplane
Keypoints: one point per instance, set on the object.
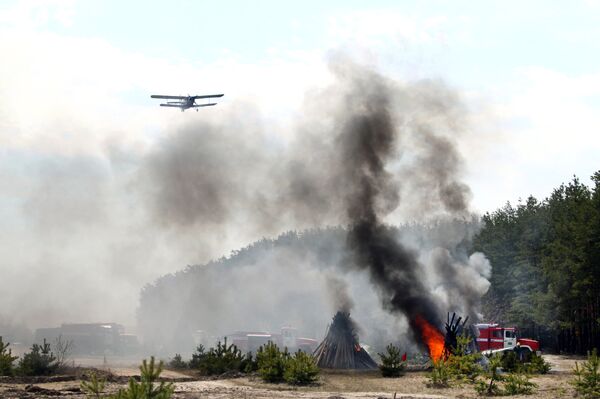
(186, 102)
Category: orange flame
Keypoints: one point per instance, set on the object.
(432, 337)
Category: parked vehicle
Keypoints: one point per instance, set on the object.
(492, 338)
(250, 341)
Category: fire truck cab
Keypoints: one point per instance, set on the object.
(492, 338)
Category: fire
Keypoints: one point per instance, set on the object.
(432, 337)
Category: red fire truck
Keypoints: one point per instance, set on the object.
(492, 338)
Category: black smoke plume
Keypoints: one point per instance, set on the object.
(367, 141)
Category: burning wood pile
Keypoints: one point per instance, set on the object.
(441, 345)
(453, 329)
(340, 349)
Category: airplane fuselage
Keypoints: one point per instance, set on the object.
(186, 102)
(189, 103)
(183, 104)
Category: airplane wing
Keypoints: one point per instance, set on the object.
(208, 96)
(168, 97)
(172, 105)
(203, 105)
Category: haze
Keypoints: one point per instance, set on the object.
(80, 137)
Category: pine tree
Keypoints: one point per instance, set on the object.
(300, 369)
(146, 388)
(39, 361)
(587, 377)
(392, 363)
(6, 359)
(271, 362)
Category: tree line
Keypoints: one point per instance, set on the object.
(545, 257)
(546, 266)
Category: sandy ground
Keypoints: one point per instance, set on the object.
(332, 385)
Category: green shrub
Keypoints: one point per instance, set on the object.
(300, 369)
(495, 384)
(441, 375)
(534, 364)
(178, 363)
(518, 384)
(392, 364)
(491, 387)
(6, 359)
(249, 364)
(197, 357)
(587, 377)
(459, 366)
(274, 365)
(271, 362)
(510, 361)
(464, 366)
(93, 388)
(224, 358)
(39, 361)
(537, 365)
(146, 388)
(463, 342)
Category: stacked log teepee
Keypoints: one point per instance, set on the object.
(340, 349)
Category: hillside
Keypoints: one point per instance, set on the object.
(298, 279)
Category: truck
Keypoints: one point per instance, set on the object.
(250, 341)
(492, 338)
(91, 338)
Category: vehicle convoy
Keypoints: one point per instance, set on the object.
(250, 341)
(493, 338)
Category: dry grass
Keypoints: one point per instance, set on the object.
(553, 385)
(346, 384)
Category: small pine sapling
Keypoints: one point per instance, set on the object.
(518, 384)
(178, 363)
(94, 388)
(249, 364)
(301, 369)
(537, 365)
(146, 388)
(463, 364)
(39, 361)
(510, 361)
(491, 388)
(224, 358)
(198, 357)
(587, 377)
(271, 362)
(441, 375)
(392, 364)
(6, 359)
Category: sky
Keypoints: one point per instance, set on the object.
(76, 76)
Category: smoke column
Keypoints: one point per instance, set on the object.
(339, 295)
(367, 141)
(370, 130)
